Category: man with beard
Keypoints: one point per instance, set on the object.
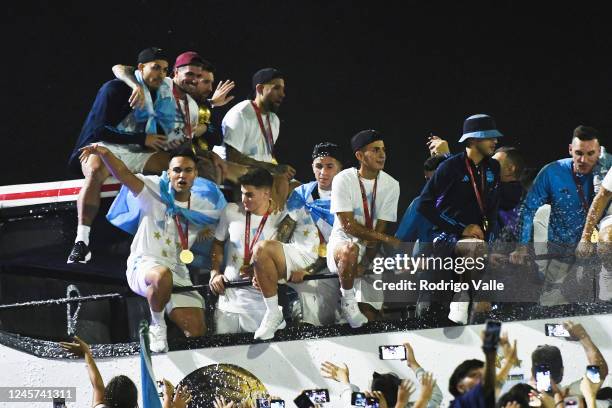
(462, 198)
(136, 136)
(251, 127)
(172, 216)
(512, 166)
(363, 201)
(567, 185)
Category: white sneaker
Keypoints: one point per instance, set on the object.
(158, 342)
(459, 312)
(605, 285)
(352, 314)
(270, 323)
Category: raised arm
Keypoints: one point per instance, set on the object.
(125, 73)
(599, 205)
(593, 354)
(80, 348)
(115, 166)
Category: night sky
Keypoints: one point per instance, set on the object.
(406, 71)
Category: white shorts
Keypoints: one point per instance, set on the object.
(229, 322)
(606, 222)
(319, 299)
(136, 274)
(297, 258)
(132, 155)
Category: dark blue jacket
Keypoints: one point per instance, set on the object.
(448, 200)
(110, 107)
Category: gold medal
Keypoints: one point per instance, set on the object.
(322, 250)
(186, 256)
(595, 236)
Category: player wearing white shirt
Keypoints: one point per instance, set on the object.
(251, 128)
(245, 228)
(586, 247)
(171, 220)
(363, 200)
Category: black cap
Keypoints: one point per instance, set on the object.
(265, 75)
(364, 138)
(152, 54)
(327, 149)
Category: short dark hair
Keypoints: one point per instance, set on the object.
(586, 133)
(516, 158)
(550, 356)
(519, 393)
(460, 373)
(257, 177)
(387, 384)
(208, 66)
(184, 152)
(120, 392)
(432, 163)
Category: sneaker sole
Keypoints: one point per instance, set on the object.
(87, 259)
(281, 326)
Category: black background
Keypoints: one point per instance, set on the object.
(406, 69)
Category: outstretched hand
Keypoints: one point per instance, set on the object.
(334, 372)
(221, 97)
(179, 399)
(78, 347)
(94, 149)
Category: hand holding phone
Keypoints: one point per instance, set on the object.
(277, 403)
(592, 373)
(491, 335)
(358, 399)
(372, 402)
(318, 396)
(392, 352)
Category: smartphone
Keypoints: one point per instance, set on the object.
(303, 401)
(516, 377)
(277, 403)
(59, 403)
(492, 330)
(160, 388)
(592, 373)
(571, 402)
(318, 396)
(392, 352)
(358, 399)
(542, 374)
(263, 403)
(556, 330)
(372, 402)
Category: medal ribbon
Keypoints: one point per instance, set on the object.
(369, 215)
(248, 246)
(477, 192)
(183, 235)
(186, 117)
(580, 191)
(268, 137)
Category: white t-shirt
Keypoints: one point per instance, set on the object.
(157, 236)
(231, 229)
(346, 197)
(241, 130)
(179, 132)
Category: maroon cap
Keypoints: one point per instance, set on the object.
(188, 58)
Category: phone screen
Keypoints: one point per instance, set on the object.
(372, 402)
(592, 374)
(392, 352)
(556, 330)
(358, 399)
(543, 379)
(277, 403)
(263, 403)
(318, 396)
(492, 330)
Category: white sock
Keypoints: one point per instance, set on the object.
(157, 318)
(272, 303)
(83, 234)
(348, 294)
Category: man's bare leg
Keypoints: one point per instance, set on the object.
(270, 266)
(157, 163)
(159, 290)
(190, 320)
(346, 257)
(88, 204)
